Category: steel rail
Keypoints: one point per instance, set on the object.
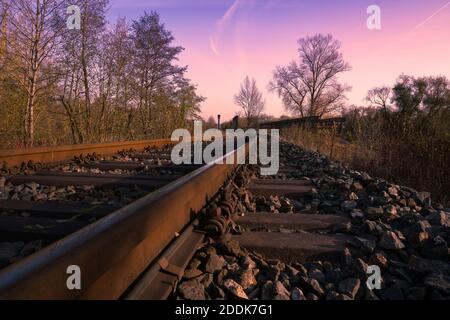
(14, 157)
(113, 252)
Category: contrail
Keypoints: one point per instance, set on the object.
(221, 24)
(432, 16)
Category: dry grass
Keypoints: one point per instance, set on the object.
(395, 162)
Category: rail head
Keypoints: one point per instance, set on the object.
(114, 251)
(14, 157)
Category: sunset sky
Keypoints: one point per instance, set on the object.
(226, 40)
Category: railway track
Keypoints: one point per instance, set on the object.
(317, 231)
(119, 212)
(216, 231)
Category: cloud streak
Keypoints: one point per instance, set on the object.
(163, 3)
(432, 16)
(221, 24)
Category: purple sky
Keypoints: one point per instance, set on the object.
(226, 40)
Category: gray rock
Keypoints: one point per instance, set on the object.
(248, 263)
(312, 297)
(192, 290)
(267, 291)
(389, 240)
(415, 293)
(402, 274)
(391, 213)
(334, 275)
(207, 281)
(253, 295)
(194, 264)
(424, 198)
(380, 260)
(216, 292)
(247, 279)
(439, 219)
(235, 289)
(349, 286)
(418, 233)
(370, 294)
(273, 272)
(435, 248)
(300, 267)
(291, 271)
(318, 275)
(439, 282)
(366, 245)
(30, 248)
(436, 295)
(214, 263)
(334, 296)
(374, 213)
(220, 276)
(297, 294)
(393, 191)
(422, 267)
(4, 263)
(347, 258)
(348, 206)
(357, 214)
(360, 268)
(357, 186)
(233, 267)
(232, 248)
(312, 285)
(280, 291)
(10, 250)
(353, 196)
(192, 274)
(370, 227)
(392, 293)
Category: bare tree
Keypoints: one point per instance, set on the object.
(379, 97)
(100, 82)
(250, 100)
(310, 87)
(3, 29)
(81, 63)
(35, 27)
(211, 122)
(154, 65)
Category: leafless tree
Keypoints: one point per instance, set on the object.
(211, 122)
(379, 97)
(154, 66)
(310, 87)
(81, 64)
(99, 82)
(250, 100)
(33, 28)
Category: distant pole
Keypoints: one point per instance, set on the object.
(235, 122)
(218, 122)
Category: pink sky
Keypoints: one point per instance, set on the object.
(227, 40)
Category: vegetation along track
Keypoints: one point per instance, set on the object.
(312, 231)
(224, 232)
(111, 216)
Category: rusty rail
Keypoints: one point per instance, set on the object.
(113, 252)
(14, 157)
(307, 121)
